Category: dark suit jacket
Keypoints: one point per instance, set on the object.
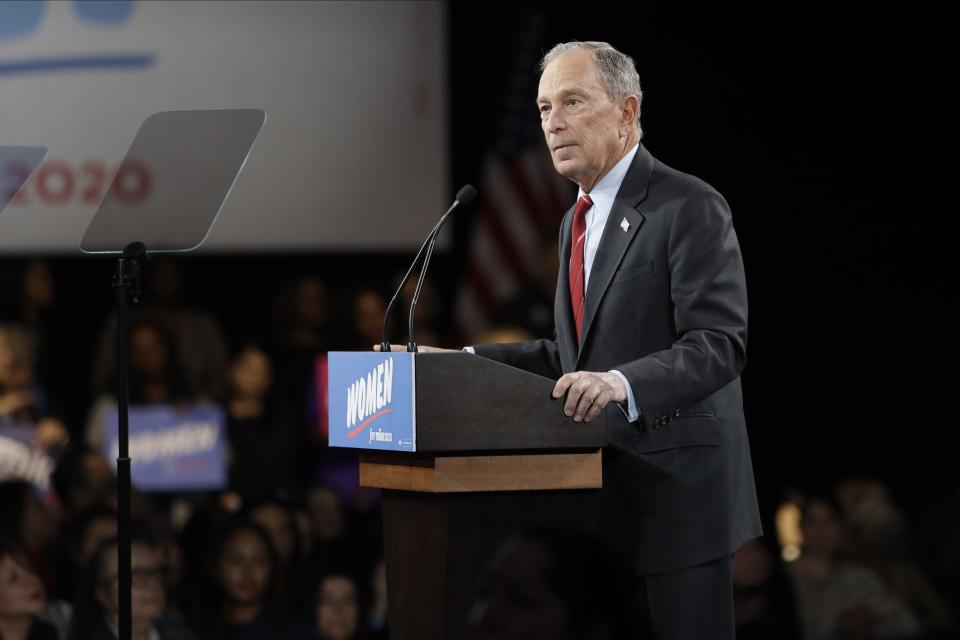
(666, 305)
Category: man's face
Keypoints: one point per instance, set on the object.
(586, 133)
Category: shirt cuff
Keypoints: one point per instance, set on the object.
(470, 350)
(631, 411)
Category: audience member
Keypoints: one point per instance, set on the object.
(245, 598)
(22, 598)
(836, 597)
(266, 439)
(96, 614)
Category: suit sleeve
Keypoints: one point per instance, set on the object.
(709, 295)
(541, 357)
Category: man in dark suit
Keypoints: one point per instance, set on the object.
(651, 329)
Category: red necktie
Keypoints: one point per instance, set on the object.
(577, 276)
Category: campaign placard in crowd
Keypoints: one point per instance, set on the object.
(173, 449)
(21, 459)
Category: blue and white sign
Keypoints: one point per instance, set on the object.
(20, 458)
(171, 449)
(371, 402)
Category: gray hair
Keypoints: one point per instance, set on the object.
(617, 70)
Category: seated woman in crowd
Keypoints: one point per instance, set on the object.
(244, 601)
(96, 611)
(22, 598)
(337, 602)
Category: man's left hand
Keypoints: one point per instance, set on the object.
(588, 393)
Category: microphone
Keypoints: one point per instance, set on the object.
(464, 196)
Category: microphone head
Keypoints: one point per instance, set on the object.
(466, 194)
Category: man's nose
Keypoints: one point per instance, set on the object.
(554, 122)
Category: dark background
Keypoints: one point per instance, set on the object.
(821, 129)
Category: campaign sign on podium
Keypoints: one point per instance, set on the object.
(371, 401)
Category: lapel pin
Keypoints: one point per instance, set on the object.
(624, 225)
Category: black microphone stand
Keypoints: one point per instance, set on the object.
(464, 197)
(126, 281)
(411, 345)
(385, 344)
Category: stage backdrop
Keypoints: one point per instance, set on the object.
(352, 155)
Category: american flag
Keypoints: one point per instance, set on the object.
(522, 198)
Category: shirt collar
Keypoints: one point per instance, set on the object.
(609, 184)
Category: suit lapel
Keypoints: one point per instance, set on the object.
(614, 241)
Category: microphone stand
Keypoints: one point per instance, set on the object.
(464, 196)
(126, 281)
(411, 345)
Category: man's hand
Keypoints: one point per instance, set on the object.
(420, 349)
(588, 393)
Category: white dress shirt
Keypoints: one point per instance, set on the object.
(603, 195)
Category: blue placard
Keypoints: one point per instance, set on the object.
(20, 458)
(370, 400)
(173, 449)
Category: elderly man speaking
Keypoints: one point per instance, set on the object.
(651, 328)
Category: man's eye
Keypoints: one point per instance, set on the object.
(544, 108)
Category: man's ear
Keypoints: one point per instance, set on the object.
(629, 109)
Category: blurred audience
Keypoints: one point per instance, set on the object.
(81, 535)
(301, 333)
(277, 518)
(267, 441)
(30, 302)
(936, 542)
(96, 613)
(291, 549)
(878, 537)
(379, 605)
(30, 525)
(245, 599)
(193, 337)
(532, 308)
(556, 584)
(337, 540)
(22, 401)
(82, 479)
(337, 607)
(764, 603)
(838, 598)
(369, 307)
(156, 377)
(22, 598)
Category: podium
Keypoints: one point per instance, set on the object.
(466, 451)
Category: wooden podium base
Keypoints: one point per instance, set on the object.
(444, 516)
(432, 473)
